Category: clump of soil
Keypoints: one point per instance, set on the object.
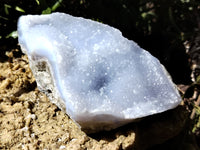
(28, 120)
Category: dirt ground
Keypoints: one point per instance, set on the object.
(28, 120)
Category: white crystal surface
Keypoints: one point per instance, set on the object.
(102, 79)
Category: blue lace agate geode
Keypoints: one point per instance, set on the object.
(101, 79)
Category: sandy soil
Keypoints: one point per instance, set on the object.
(28, 120)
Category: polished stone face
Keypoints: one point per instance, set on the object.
(100, 78)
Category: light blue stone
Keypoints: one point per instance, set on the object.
(101, 79)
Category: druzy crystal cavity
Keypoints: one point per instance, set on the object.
(101, 79)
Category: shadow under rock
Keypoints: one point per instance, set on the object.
(150, 130)
(111, 135)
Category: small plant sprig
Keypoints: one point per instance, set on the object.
(196, 118)
(192, 99)
(51, 9)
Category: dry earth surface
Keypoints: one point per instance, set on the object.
(28, 120)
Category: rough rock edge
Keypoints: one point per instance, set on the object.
(41, 70)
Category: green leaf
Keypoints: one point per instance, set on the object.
(185, 1)
(6, 6)
(198, 79)
(38, 2)
(47, 11)
(82, 2)
(197, 108)
(144, 14)
(19, 9)
(56, 5)
(13, 35)
(1, 17)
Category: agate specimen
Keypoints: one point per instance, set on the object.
(98, 77)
